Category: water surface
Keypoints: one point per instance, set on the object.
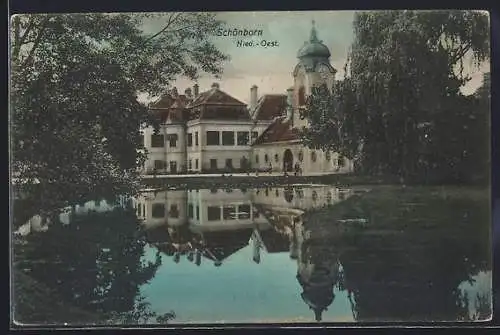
(295, 253)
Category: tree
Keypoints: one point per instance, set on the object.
(404, 74)
(75, 79)
(95, 263)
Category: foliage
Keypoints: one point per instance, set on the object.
(399, 255)
(400, 109)
(75, 79)
(94, 264)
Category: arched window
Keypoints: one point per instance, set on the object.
(328, 155)
(288, 194)
(276, 158)
(313, 156)
(302, 96)
(301, 156)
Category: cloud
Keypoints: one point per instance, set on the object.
(288, 29)
(271, 68)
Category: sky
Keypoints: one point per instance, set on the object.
(271, 68)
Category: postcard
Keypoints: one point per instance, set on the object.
(244, 168)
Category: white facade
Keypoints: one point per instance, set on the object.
(195, 152)
(203, 155)
(166, 149)
(221, 209)
(310, 161)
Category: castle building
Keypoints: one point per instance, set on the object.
(213, 132)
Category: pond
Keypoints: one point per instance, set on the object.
(293, 253)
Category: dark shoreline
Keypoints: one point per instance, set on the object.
(262, 180)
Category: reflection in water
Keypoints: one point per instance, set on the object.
(277, 254)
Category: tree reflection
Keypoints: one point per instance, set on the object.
(93, 264)
(420, 247)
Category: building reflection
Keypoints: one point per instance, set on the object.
(211, 225)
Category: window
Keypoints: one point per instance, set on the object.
(172, 138)
(213, 213)
(213, 164)
(266, 158)
(196, 138)
(173, 167)
(341, 162)
(190, 164)
(276, 158)
(328, 156)
(229, 163)
(314, 195)
(228, 212)
(139, 209)
(159, 165)
(158, 211)
(277, 192)
(301, 156)
(190, 211)
(141, 140)
(213, 138)
(190, 140)
(196, 164)
(157, 141)
(302, 96)
(329, 197)
(257, 159)
(254, 135)
(243, 137)
(288, 194)
(244, 211)
(313, 156)
(197, 213)
(174, 211)
(227, 138)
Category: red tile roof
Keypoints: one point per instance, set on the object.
(217, 97)
(274, 241)
(164, 102)
(217, 105)
(270, 106)
(169, 106)
(222, 244)
(280, 130)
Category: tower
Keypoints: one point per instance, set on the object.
(312, 69)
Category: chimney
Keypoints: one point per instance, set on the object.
(253, 97)
(187, 93)
(289, 103)
(215, 85)
(196, 90)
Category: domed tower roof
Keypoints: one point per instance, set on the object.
(314, 47)
(318, 300)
